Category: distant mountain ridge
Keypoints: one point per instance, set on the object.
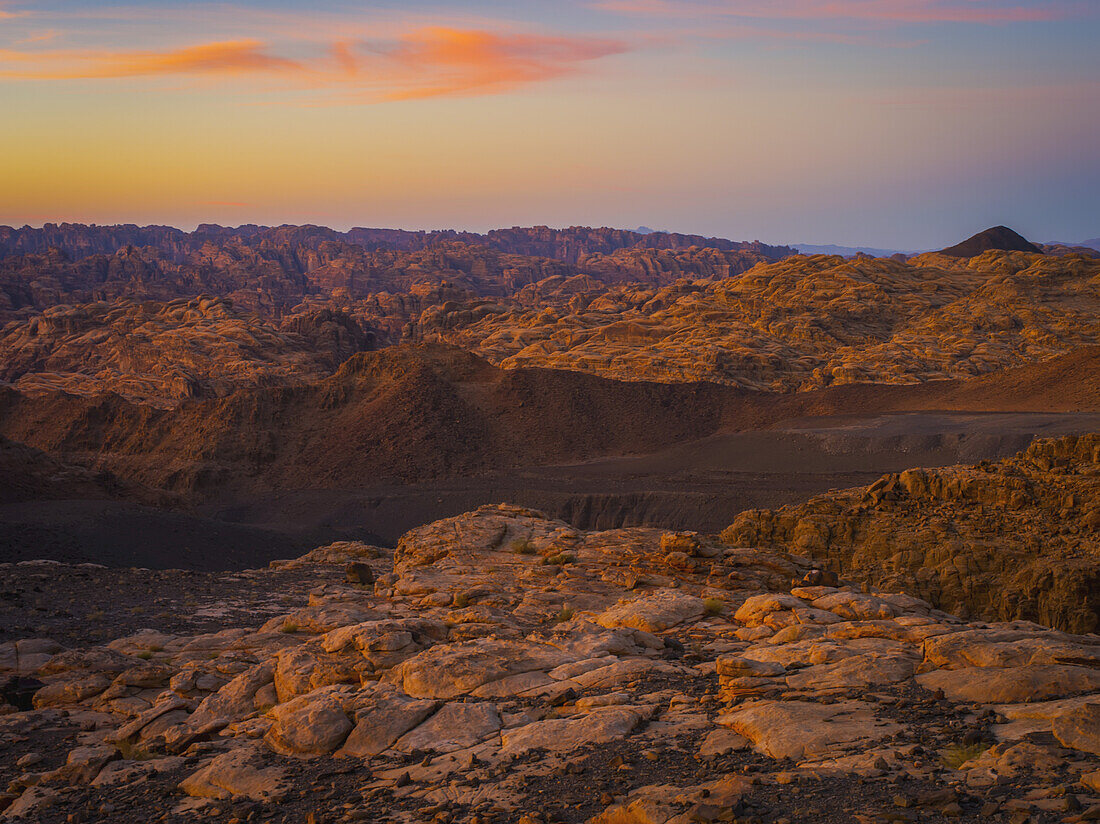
(848, 251)
(569, 244)
(1092, 243)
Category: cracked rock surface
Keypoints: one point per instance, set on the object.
(506, 667)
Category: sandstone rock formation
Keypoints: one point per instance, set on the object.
(569, 245)
(270, 270)
(802, 323)
(506, 667)
(1014, 539)
(621, 305)
(161, 353)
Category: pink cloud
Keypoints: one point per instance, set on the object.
(440, 61)
(228, 57)
(427, 62)
(895, 11)
(778, 35)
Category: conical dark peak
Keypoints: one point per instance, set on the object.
(999, 237)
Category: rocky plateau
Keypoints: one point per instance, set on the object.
(502, 666)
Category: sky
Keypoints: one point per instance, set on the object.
(906, 124)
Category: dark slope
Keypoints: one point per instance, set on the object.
(999, 237)
(410, 434)
(28, 474)
(401, 415)
(415, 413)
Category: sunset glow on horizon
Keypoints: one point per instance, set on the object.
(896, 123)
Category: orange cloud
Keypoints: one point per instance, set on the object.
(896, 11)
(428, 62)
(441, 61)
(229, 57)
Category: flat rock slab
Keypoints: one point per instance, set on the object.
(454, 727)
(799, 729)
(1010, 685)
(451, 671)
(384, 720)
(236, 774)
(852, 672)
(722, 741)
(1080, 728)
(564, 734)
(654, 613)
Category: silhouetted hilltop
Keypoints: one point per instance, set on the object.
(999, 237)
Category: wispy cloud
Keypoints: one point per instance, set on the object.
(428, 62)
(229, 57)
(440, 61)
(40, 37)
(6, 12)
(889, 11)
(778, 36)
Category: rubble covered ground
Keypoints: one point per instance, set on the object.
(501, 666)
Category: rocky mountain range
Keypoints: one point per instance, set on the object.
(78, 240)
(785, 537)
(801, 323)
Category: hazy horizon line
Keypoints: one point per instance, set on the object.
(344, 228)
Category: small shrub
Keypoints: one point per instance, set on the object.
(132, 751)
(96, 615)
(957, 755)
(523, 546)
(714, 606)
(561, 559)
(461, 600)
(155, 648)
(144, 655)
(565, 614)
(289, 627)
